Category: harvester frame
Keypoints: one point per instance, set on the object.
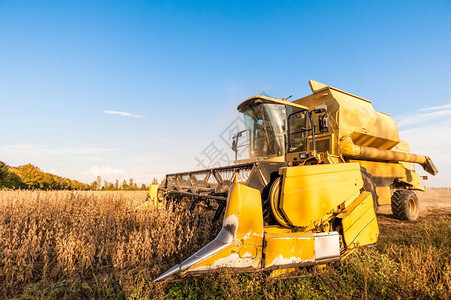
(318, 169)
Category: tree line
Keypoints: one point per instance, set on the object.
(129, 185)
(31, 177)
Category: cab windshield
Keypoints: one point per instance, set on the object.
(265, 126)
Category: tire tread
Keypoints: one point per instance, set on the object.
(400, 205)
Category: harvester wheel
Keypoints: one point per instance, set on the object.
(369, 186)
(274, 198)
(405, 205)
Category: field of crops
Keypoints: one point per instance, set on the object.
(79, 245)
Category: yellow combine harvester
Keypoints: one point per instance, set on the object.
(318, 168)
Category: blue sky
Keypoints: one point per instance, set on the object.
(179, 69)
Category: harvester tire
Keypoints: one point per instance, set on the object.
(370, 186)
(405, 205)
(274, 198)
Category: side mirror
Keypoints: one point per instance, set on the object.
(234, 144)
(235, 139)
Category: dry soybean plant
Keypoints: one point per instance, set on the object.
(71, 237)
(90, 245)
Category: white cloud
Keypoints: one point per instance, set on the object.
(421, 118)
(445, 106)
(123, 113)
(104, 171)
(430, 134)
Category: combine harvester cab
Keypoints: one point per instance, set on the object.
(208, 189)
(341, 160)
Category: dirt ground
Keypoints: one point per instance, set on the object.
(431, 200)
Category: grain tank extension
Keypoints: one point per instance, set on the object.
(318, 169)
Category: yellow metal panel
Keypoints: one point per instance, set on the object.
(382, 169)
(277, 230)
(316, 86)
(384, 195)
(243, 220)
(360, 224)
(289, 248)
(248, 252)
(153, 193)
(367, 127)
(356, 117)
(244, 211)
(367, 235)
(238, 244)
(352, 204)
(232, 257)
(412, 178)
(310, 192)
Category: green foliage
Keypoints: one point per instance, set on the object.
(124, 185)
(93, 185)
(109, 186)
(8, 179)
(31, 177)
(3, 171)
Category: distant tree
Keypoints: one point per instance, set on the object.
(154, 181)
(124, 185)
(109, 186)
(99, 182)
(116, 185)
(30, 175)
(48, 182)
(63, 184)
(143, 187)
(4, 172)
(93, 185)
(13, 181)
(135, 187)
(130, 185)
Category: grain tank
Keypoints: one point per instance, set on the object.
(348, 129)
